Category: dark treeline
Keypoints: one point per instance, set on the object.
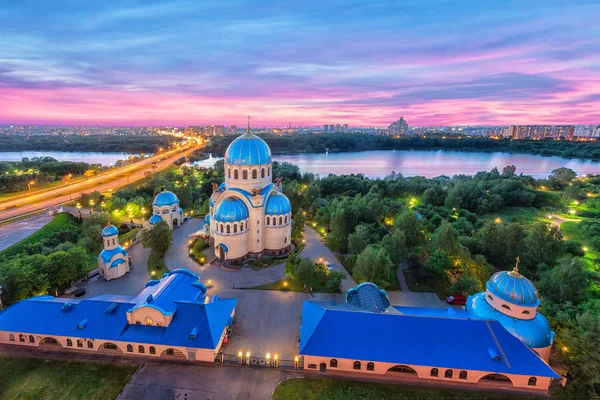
(359, 142)
(103, 143)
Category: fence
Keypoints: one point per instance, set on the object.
(249, 361)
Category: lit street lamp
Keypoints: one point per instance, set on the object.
(91, 206)
(29, 185)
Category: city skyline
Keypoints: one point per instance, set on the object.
(183, 63)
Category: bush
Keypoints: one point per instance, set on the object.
(573, 247)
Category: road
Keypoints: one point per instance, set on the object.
(110, 180)
(15, 232)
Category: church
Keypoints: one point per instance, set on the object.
(165, 207)
(113, 261)
(249, 215)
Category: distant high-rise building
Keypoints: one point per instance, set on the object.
(338, 128)
(398, 128)
(331, 128)
(325, 128)
(596, 132)
(345, 128)
(233, 130)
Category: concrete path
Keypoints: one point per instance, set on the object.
(156, 380)
(401, 277)
(15, 232)
(558, 220)
(316, 249)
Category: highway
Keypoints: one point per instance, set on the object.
(110, 180)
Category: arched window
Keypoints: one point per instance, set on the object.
(148, 321)
(235, 174)
(228, 228)
(69, 343)
(285, 239)
(245, 174)
(221, 228)
(285, 221)
(174, 209)
(258, 222)
(90, 344)
(11, 337)
(280, 221)
(229, 173)
(268, 220)
(333, 363)
(526, 312)
(22, 338)
(490, 297)
(262, 173)
(32, 340)
(532, 381)
(170, 352)
(434, 372)
(269, 171)
(505, 306)
(462, 375)
(242, 227)
(152, 350)
(234, 228)
(370, 367)
(129, 348)
(79, 343)
(254, 174)
(356, 365)
(448, 373)
(141, 349)
(165, 211)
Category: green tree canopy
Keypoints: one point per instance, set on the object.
(374, 265)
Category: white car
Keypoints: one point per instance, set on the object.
(328, 266)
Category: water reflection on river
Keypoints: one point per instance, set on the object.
(426, 163)
(90, 157)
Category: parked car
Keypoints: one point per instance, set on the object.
(328, 266)
(457, 300)
(79, 292)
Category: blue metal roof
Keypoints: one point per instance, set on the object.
(107, 319)
(155, 219)
(248, 149)
(107, 255)
(447, 312)
(207, 219)
(222, 186)
(513, 287)
(117, 262)
(211, 202)
(369, 297)
(278, 203)
(110, 230)
(534, 332)
(462, 344)
(231, 209)
(224, 246)
(165, 198)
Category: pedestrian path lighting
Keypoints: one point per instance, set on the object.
(268, 357)
(248, 359)
(296, 360)
(91, 206)
(275, 360)
(240, 355)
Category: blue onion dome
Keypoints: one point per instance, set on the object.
(535, 333)
(165, 198)
(513, 288)
(107, 255)
(231, 209)
(222, 187)
(369, 297)
(211, 202)
(248, 149)
(180, 210)
(278, 203)
(207, 219)
(155, 219)
(110, 230)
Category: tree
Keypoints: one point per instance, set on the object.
(334, 280)
(158, 238)
(562, 175)
(509, 171)
(446, 238)
(395, 245)
(565, 282)
(291, 264)
(438, 265)
(466, 285)
(374, 265)
(363, 236)
(543, 244)
(412, 226)
(305, 272)
(298, 224)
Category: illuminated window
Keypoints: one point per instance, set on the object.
(148, 321)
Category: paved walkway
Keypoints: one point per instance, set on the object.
(401, 277)
(156, 380)
(558, 220)
(22, 229)
(316, 249)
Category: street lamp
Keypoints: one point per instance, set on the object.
(91, 206)
(103, 204)
(29, 185)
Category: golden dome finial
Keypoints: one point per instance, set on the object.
(515, 271)
(248, 131)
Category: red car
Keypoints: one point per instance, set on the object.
(457, 300)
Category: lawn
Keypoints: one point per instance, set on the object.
(329, 389)
(290, 285)
(36, 379)
(197, 247)
(442, 289)
(572, 231)
(62, 222)
(527, 215)
(264, 263)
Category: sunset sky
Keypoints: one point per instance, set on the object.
(194, 62)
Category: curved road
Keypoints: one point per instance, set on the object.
(116, 178)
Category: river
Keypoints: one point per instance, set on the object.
(91, 157)
(379, 163)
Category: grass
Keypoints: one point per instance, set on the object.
(329, 389)
(441, 289)
(197, 248)
(156, 265)
(262, 263)
(294, 286)
(33, 378)
(527, 215)
(572, 231)
(62, 222)
(128, 236)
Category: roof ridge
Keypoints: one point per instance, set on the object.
(314, 325)
(487, 323)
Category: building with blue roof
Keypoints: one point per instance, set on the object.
(113, 260)
(171, 317)
(511, 299)
(165, 207)
(366, 336)
(249, 215)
